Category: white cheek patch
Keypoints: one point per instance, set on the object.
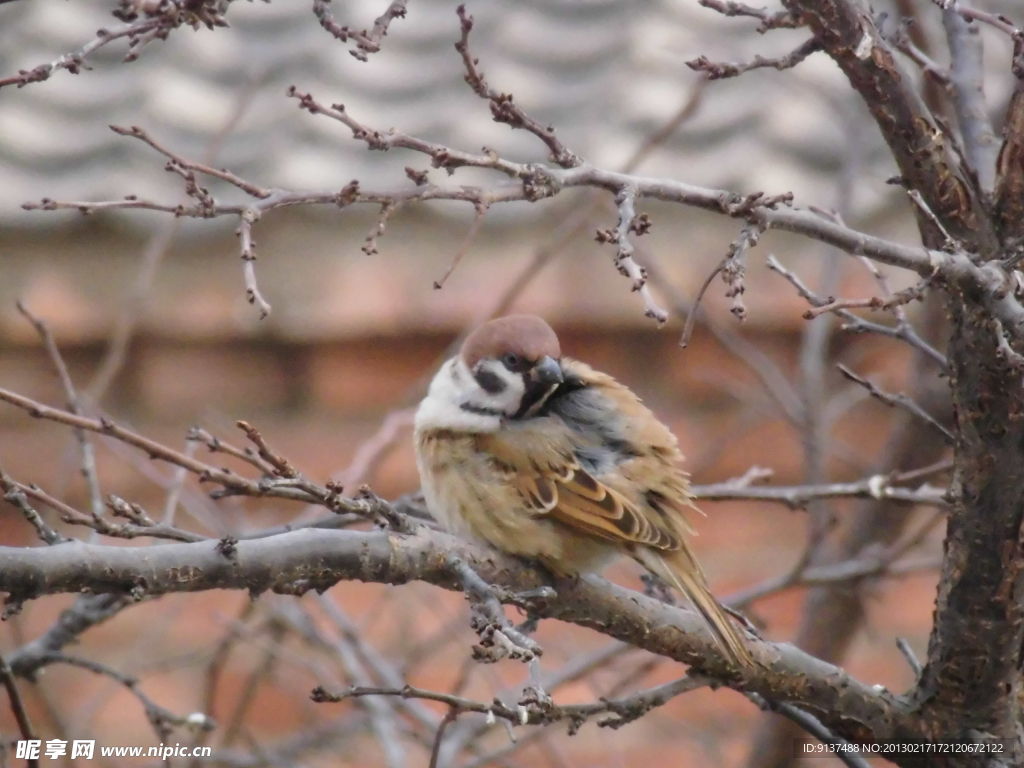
(442, 407)
(506, 398)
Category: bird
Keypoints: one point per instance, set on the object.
(541, 456)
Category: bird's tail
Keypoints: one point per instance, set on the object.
(682, 571)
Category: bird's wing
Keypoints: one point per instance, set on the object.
(541, 464)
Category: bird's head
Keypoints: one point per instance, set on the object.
(507, 368)
(513, 362)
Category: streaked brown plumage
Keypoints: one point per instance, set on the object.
(542, 456)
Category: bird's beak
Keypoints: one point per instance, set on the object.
(547, 372)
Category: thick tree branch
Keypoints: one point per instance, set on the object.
(927, 163)
(299, 561)
(967, 76)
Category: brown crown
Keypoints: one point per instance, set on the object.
(525, 335)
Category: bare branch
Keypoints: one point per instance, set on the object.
(503, 108)
(467, 241)
(798, 496)
(625, 252)
(967, 76)
(856, 324)
(1003, 23)
(722, 70)
(14, 494)
(162, 720)
(909, 655)
(899, 400)
(813, 726)
(74, 405)
(17, 706)
(780, 20)
(302, 560)
(138, 33)
(366, 41)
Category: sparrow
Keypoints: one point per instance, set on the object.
(543, 457)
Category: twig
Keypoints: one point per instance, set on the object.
(899, 399)
(503, 108)
(296, 489)
(162, 720)
(779, 20)
(1004, 351)
(691, 316)
(15, 494)
(449, 717)
(624, 710)
(177, 483)
(152, 255)
(282, 467)
(721, 70)
(141, 525)
(178, 164)
(855, 324)
(950, 244)
(387, 210)
(798, 496)
(481, 211)
(498, 637)
(366, 42)
(914, 292)
(900, 40)
(86, 612)
(624, 261)
(17, 707)
(75, 62)
(74, 405)
(252, 289)
(910, 656)
(813, 726)
(216, 445)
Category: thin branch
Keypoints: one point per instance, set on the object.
(856, 324)
(137, 32)
(722, 70)
(162, 720)
(499, 638)
(435, 751)
(780, 20)
(366, 41)
(624, 710)
(901, 40)
(467, 241)
(799, 496)
(296, 489)
(625, 262)
(899, 400)
(910, 656)
(86, 612)
(74, 405)
(503, 108)
(17, 705)
(15, 494)
(140, 525)
(813, 726)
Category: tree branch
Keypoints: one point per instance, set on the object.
(296, 562)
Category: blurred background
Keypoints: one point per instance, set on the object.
(150, 313)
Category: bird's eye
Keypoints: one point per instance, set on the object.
(510, 360)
